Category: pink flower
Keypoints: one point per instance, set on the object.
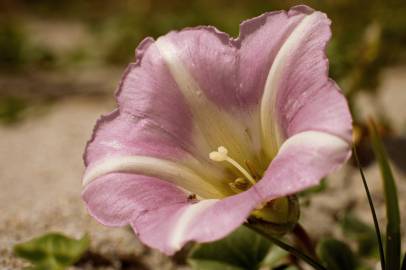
(209, 128)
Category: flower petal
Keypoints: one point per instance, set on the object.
(161, 214)
(123, 134)
(116, 198)
(159, 90)
(306, 99)
(148, 91)
(302, 161)
(181, 82)
(209, 58)
(169, 228)
(292, 80)
(260, 41)
(190, 55)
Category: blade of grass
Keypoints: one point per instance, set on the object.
(392, 243)
(371, 205)
(295, 252)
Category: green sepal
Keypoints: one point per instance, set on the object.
(278, 216)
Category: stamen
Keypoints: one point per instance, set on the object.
(221, 155)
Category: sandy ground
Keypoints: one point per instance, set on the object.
(40, 185)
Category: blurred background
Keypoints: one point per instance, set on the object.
(60, 62)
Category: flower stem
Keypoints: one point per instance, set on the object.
(297, 253)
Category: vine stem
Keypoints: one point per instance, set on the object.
(297, 253)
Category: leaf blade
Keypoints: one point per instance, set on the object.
(392, 242)
(374, 217)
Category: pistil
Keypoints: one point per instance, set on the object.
(222, 155)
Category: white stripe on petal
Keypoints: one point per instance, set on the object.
(189, 87)
(184, 221)
(214, 126)
(271, 135)
(178, 174)
(316, 139)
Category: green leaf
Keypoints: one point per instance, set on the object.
(52, 251)
(243, 249)
(336, 255)
(362, 233)
(392, 243)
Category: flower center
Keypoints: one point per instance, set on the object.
(240, 184)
